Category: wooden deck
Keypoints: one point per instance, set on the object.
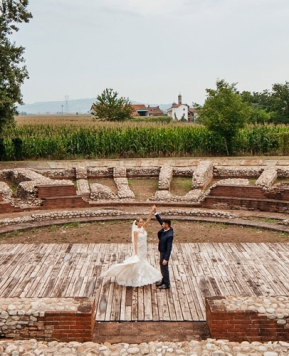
(197, 271)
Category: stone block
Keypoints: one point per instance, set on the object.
(119, 172)
(81, 172)
(123, 189)
(101, 192)
(165, 178)
(267, 178)
(82, 187)
(203, 175)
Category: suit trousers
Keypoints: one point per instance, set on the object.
(164, 270)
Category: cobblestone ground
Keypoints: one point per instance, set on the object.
(209, 347)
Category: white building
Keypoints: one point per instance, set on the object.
(181, 111)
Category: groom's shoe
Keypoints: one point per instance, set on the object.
(159, 283)
(164, 286)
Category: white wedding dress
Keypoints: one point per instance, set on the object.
(135, 271)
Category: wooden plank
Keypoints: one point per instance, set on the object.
(147, 299)
(134, 306)
(187, 280)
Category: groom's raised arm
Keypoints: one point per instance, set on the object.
(159, 219)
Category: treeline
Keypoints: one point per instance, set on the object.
(62, 142)
(269, 106)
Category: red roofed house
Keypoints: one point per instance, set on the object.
(139, 110)
(180, 110)
(142, 110)
(155, 111)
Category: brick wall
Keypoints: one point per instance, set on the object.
(46, 191)
(64, 202)
(215, 202)
(251, 192)
(67, 326)
(244, 325)
(6, 207)
(138, 332)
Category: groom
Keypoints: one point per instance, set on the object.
(166, 236)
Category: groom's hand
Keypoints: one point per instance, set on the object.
(165, 262)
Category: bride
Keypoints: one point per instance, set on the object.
(135, 271)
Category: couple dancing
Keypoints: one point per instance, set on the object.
(136, 271)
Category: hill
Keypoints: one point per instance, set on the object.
(81, 106)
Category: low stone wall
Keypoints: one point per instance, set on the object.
(58, 215)
(208, 347)
(200, 213)
(248, 318)
(238, 171)
(62, 319)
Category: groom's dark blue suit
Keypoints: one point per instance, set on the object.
(165, 248)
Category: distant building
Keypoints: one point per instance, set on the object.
(181, 111)
(142, 110)
(155, 111)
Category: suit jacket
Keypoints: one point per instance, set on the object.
(165, 239)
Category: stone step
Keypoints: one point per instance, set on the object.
(74, 201)
(47, 190)
(229, 202)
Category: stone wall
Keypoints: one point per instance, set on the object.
(58, 215)
(237, 171)
(248, 318)
(62, 319)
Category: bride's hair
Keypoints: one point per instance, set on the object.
(137, 219)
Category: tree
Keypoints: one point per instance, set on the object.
(280, 103)
(224, 112)
(12, 73)
(260, 106)
(275, 103)
(109, 107)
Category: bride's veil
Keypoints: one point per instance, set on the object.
(133, 229)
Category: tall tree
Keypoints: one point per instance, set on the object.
(12, 72)
(260, 104)
(110, 107)
(224, 112)
(280, 103)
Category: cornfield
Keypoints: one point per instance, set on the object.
(125, 140)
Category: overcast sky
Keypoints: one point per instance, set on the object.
(152, 50)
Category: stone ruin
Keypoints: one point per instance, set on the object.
(203, 174)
